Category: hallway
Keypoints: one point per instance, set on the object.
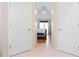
(23, 23)
(44, 50)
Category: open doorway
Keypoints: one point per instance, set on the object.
(42, 33)
(44, 25)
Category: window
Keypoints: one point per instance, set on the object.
(43, 25)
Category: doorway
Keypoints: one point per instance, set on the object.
(44, 25)
(42, 33)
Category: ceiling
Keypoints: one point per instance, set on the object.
(44, 10)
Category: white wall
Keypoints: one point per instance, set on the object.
(3, 29)
(0, 29)
(34, 25)
(54, 25)
(68, 34)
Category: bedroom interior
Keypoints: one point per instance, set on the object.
(42, 31)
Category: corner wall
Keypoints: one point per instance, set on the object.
(3, 29)
(54, 26)
(34, 26)
(0, 29)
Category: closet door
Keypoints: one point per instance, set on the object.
(20, 27)
(68, 28)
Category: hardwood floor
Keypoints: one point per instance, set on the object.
(44, 49)
(41, 40)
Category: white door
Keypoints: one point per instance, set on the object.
(20, 27)
(68, 28)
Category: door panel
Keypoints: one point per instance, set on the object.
(68, 30)
(20, 27)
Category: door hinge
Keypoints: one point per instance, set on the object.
(10, 27)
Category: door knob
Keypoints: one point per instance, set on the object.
(78, 25)
(29, 29)
(59, 29)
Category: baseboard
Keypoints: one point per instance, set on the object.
(19, 53)
(68, 53)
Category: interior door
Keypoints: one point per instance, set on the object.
(20, 27)
(68, 28)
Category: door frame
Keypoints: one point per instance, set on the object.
(34, 25)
